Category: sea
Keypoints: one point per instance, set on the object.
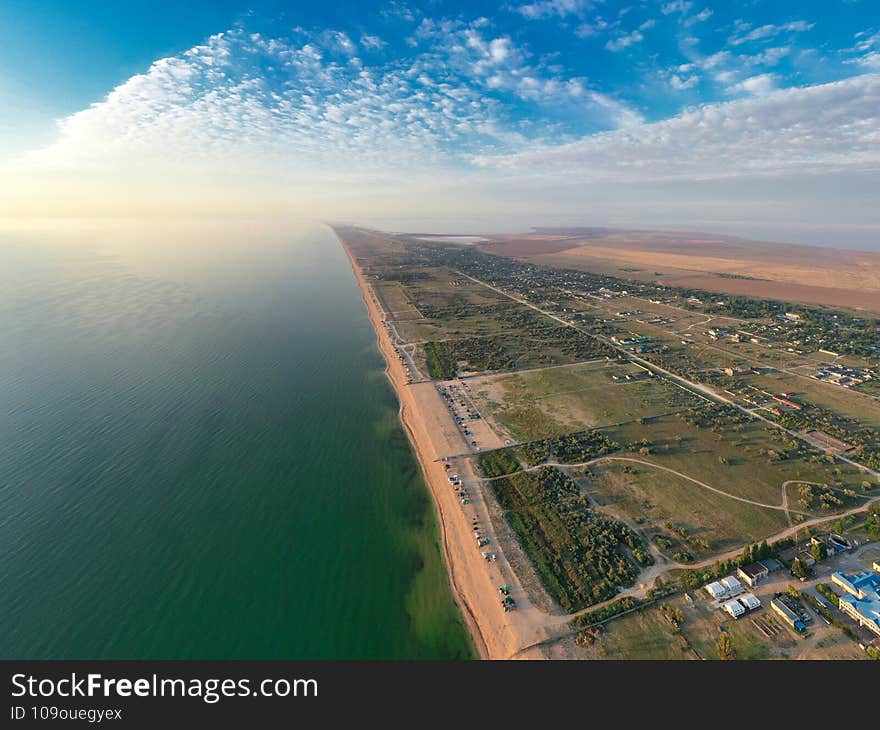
(200, 454)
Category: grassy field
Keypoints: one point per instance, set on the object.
(647, 634)
(552, 401)
(394, 299)
(653, 498)
(747, 459)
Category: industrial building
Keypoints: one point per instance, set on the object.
(789, 616)
(753, 573)
(862, 599)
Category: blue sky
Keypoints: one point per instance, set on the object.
(500, 99)
(58, 57)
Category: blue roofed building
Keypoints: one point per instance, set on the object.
(862, 599)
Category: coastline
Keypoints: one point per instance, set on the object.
(494, 634)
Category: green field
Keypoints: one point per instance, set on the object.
(552, 401)
(747, 458)
(654, 498)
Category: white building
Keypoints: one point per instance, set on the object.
(750, 601)
(716, 590)
(734, 608)
(732, 585)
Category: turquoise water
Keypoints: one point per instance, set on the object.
(200, 455)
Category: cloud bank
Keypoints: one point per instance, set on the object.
(825, 128)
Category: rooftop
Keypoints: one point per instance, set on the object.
(753, 569)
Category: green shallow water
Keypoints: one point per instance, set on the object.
(200, 455)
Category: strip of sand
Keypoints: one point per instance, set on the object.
(474, 582)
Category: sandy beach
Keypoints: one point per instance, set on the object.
(474, 581)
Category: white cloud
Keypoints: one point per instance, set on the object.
(499, 64)
(676, 6)
(550, 8)
(680, 83)
(868, 49)
(310, 104)
(769, 56)
(338, 41)
(251, 97)
(704, 14)
(748, 34)
(869, 60)
(625, 40)
(817, 129)
(588, 30)
(758, 85)
(372, 42)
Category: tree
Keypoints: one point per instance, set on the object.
(798, 568)
(725, 646)
(763, 550)
(746, 555)
(819, 551)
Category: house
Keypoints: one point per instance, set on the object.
(787, 402)
(733, 586)
(789, 616)
(734, 608)
(750, 601)
(716, 590)
(862, 602)
(772, 564)
(876, 565)
(753, 573)
(733, 372)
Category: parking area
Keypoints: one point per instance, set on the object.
(477, 433)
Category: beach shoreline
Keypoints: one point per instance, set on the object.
(494, 634)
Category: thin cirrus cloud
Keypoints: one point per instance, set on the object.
(748, 34)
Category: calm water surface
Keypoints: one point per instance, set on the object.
(200, 455)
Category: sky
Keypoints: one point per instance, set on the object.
(760, 117)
